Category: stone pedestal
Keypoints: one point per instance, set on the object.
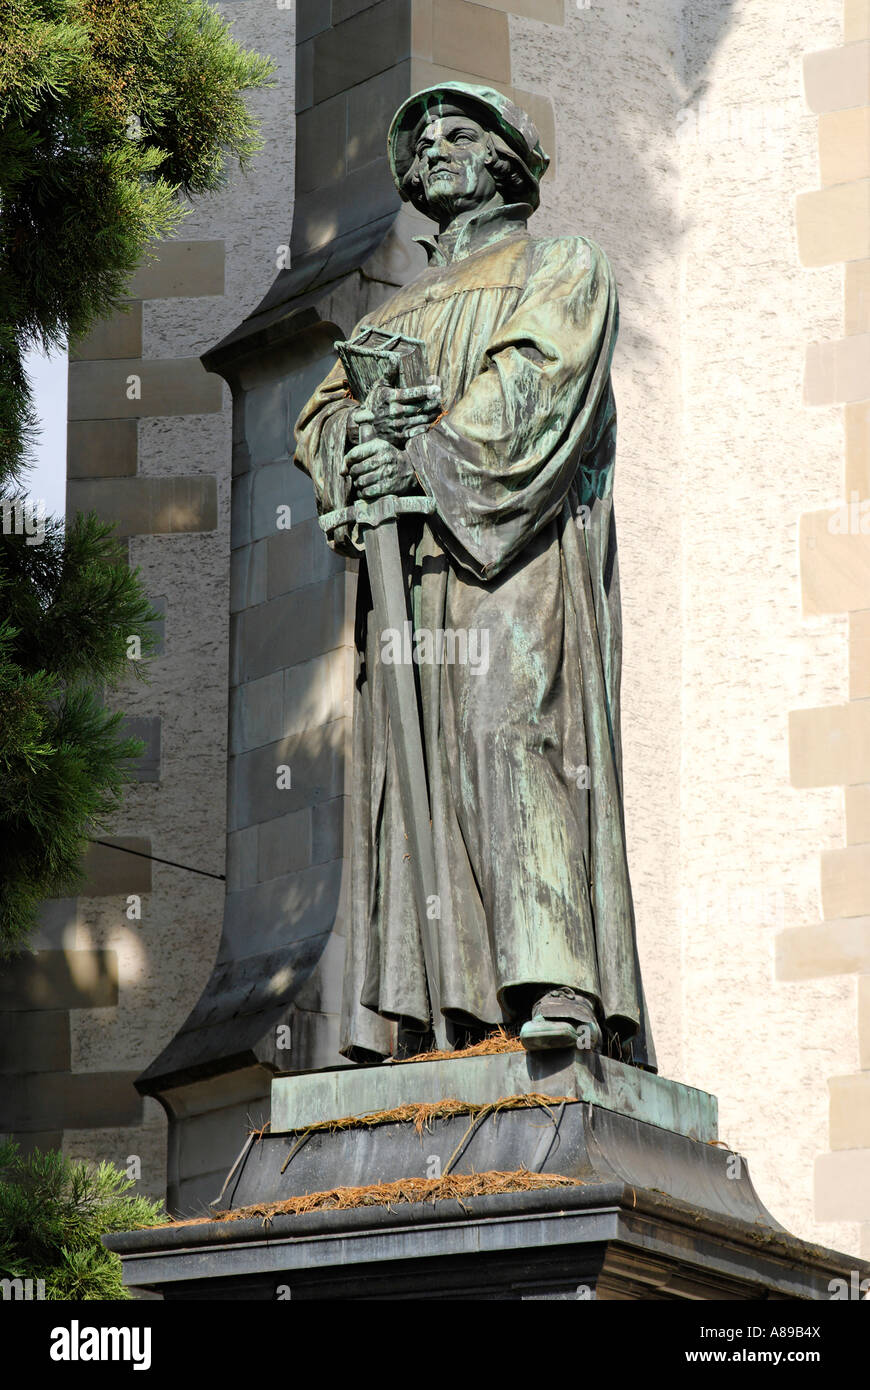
(658, 1209)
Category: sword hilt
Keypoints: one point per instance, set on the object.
(364, 513)
(388, 508)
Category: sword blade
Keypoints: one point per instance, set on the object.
(387, 580)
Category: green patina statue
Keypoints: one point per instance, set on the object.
(501, 457)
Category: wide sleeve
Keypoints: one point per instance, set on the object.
(500, 462)
(321, 443)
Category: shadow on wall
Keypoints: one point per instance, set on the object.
(641, 64)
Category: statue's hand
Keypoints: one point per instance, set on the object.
(377, 468)
(397, 413)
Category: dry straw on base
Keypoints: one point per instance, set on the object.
(454, 1186)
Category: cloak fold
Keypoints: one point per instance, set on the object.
(522, 737)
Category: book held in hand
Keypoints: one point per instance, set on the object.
(375, 357)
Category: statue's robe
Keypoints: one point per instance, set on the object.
(523, 760)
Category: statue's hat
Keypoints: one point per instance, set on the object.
(489, 108)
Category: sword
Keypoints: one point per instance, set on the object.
(387, 579)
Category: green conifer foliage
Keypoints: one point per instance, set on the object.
(70, 606)
(53, 1211)
(111, 115)
(108, 113)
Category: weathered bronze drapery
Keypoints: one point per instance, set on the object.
(514, 578)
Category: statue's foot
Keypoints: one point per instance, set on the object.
(562, 1018)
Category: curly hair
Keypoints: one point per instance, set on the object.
(512, 178)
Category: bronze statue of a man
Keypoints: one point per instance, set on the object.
(513, 438)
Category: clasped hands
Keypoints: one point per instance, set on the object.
(379, 467)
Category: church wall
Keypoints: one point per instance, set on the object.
(829, 748)
(755, 457)
(684, 140)
(106, 992)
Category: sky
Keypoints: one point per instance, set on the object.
(47, 480)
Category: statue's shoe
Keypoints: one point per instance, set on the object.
(562, 1018)
(539, 1034)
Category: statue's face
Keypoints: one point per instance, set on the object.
(453, 158)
